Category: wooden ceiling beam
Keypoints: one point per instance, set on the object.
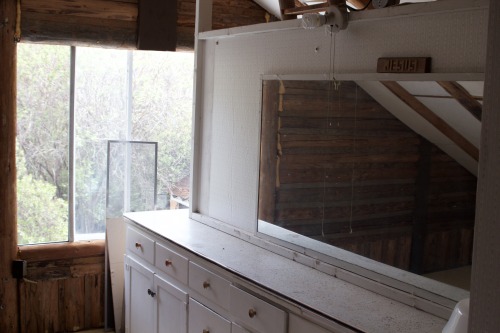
(463, 97)
(307, 9)
(114, 23)
(359, 4)
(290, 9)
(441, 125)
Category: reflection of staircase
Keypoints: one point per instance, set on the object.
(447, 113)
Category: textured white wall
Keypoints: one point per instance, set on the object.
(229, 158)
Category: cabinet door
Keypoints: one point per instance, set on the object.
(139, 297)
(171, 310)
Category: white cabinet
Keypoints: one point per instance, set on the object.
(139, 297)
(152, 304)
(169, 289)
(170, 315)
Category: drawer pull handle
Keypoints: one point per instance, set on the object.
(252, 313)
(168, 262)
(138, 245)
(206, 285)
(151, 293)
(206, 331)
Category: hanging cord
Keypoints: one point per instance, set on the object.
(352, 9)
(353, 155)
(333, 85)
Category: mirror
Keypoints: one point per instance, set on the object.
(339, 168)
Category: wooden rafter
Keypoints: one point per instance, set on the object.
(320, 7)
(302, 8)
(307, 9)
(463, 97)
(360, 3)
(441, 125)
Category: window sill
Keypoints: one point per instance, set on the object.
(67, 250)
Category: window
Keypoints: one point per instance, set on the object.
(71, 103)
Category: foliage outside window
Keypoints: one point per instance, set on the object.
(118, 95)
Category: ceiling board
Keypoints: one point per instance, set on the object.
(416, 122)
(272, 7)
(423, 88)
(475, 88)
(453, 113)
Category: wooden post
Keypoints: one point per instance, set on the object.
(420, 214)
(8, 204)
(268, 151)
(485, 303)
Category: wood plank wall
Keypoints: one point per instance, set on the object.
(343, 170)
(113, 23)
(64, 294)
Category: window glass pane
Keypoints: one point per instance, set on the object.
(163, 102)
(141, 96)
(101, 114)
(42, 142)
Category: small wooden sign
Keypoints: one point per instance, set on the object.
(404, 65)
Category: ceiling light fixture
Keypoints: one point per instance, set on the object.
(335, 19)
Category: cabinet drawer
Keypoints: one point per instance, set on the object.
(203, 320)
(209, 285)
(171, 263)
(140, 245)
(256, 313)
(237, 329)
(297, 325)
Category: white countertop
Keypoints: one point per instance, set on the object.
(336, 299)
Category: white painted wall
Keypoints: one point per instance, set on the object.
(228, 158)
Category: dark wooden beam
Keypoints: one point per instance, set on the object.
(8, 212)
(115, 23)
(306, 9)
(420, 214)
(157, 25)
(432, 118)
(91, 23)
(269, 150)
(463, 97)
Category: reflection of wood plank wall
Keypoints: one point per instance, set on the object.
(348, 164)
(113, 23)
(63, 295)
